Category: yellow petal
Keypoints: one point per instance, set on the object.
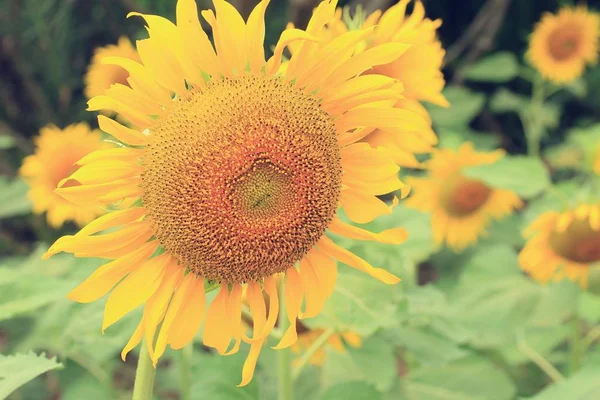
(361, 207)
(390, 236)
(255, 36)
(134, 290)
(122, 133)
(217, 332)
(189, 317)
(108, 275)
(135, 339)
(293, 302)
(352, 260)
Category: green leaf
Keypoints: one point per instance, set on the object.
(588, 307)
(352, 391)
(13, 198)
(428, 347)
(464, 106)
(6, 142)
(28, 292)
(453, 138)
(525, 176)
(504, 101)
(498, 67)
(584, 385)
(471, 378)
(373, 362)
(16, 370)
(359, 304)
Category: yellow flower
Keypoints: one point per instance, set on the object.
(561, 45)
(56, 157)
(418, 69)
(240, 172)
(100, 76)
(336, 342)
(460, 207)
(563, 245)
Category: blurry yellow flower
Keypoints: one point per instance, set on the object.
(240, 172)
(561, 45)
(336, 342)
(460, 207)
(57, 155)
(563, 245)
(418, 70)
(100, 76)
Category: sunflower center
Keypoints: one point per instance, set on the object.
(579, 243)
(464, 196)
(564, 42)
(242, 177)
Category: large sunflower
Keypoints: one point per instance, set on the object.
(100, 76)
(563, 245)
(57, 152)
(460, 207)
(240, 172)
(561, 45)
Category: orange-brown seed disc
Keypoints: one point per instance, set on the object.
(563, 42)
(579, 243)
(464, 196)
(242, 178)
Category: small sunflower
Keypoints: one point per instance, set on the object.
(240, 168)
(100, 76)
(57, 152)
(563, 245)
(460, 207)
(561, 45)
(336, 342)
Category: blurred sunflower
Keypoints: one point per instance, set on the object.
(418, 69)
(460, 207)
(563, 245)
(240, 172)
(56, 156)
(307, 337)
(561, 45)
(100, 76)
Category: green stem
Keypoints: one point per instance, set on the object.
(185, 356)
(531, 123)
(538, 359)
(317, 344)
(575, 345)
(144, 376)
(284, 356)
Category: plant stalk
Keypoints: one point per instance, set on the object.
(284, 358)
(185, 356)
(144, 376)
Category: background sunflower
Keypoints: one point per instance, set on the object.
(498, 299)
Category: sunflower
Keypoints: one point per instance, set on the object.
(57, 152)
(336, 342)
(561, 45)
(100, 76)
(240, 173)
(563, 245)
(460, 207)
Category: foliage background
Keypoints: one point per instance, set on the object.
(466, 326)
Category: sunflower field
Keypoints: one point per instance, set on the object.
(299, 199)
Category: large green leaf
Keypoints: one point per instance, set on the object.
(16, 370)
(359, 304)
(526, 176)
(13, 198)
(471, 378)
(584, 385)
(352, 391)
(503, 101)
(464, 107)
(498, 67)
(373, 362)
